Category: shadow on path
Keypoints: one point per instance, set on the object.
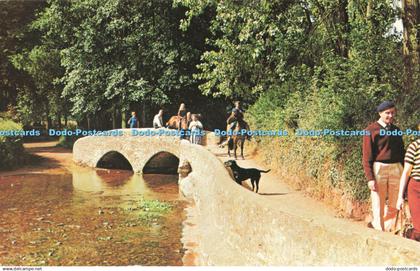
(273, 194)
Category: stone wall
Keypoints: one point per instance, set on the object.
(237, 227)
(138, 150)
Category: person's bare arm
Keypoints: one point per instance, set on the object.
(403, 183)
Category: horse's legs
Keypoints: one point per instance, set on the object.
(242, 148)
(235, 146)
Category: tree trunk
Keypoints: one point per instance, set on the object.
(343, 20)
(114, 118)
(337, 26)
(369, 9)
(143, 114)
(123, 119)
(49, 122)
(47, 112)
(89, 123)
(59, 121)
(3, 101)
(411, 40)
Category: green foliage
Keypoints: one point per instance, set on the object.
(307, 65)
(14, 34)
(11, 147)
(90, 60)
(43, 65)
(353, 177)
(251, 44)
(116, 53)
(149, 210)
(66, 141)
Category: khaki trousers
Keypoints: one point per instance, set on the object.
(388, 184)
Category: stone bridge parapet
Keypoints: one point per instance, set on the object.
(238, 227)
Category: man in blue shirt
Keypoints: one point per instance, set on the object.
(133, 121)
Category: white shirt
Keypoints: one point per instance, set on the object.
(157, 121)
(195, 125)
(383, 124)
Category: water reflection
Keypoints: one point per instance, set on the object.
(109, 182)
(81, 219)
(162, 184)
(114, 178)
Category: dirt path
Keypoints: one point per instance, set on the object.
(280, 194)
(45, 158)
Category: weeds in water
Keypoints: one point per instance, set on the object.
(149, 210)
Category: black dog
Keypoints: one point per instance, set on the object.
(242, 174)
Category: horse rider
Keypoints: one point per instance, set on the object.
(183, 117)
(236, 116)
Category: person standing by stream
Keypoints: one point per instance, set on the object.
(383, 156)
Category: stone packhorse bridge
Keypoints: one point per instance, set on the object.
(235, 226)
(129, 152)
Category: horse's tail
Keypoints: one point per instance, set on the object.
(265, 171)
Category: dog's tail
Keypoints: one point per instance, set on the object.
(265, 171)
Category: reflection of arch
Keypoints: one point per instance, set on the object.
(114, 178)
(162, 162)
(162, 183)
(114, 160)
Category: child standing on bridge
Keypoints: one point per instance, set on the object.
(196, 128)
(157, 120)
(133, 121)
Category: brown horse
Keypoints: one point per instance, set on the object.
(173, 122)
(237, 138)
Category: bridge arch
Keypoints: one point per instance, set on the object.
(114, 160)
(162, 162)
(140, 151)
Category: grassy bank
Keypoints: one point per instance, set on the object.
(11, 147)
(320, 169)
(326, 167)
(67, 141)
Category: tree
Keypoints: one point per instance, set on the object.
(15, 15)
(118, 53)
(411, 43)
(44, 99)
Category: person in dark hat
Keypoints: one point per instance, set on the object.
(383, 157)
(236, 116)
